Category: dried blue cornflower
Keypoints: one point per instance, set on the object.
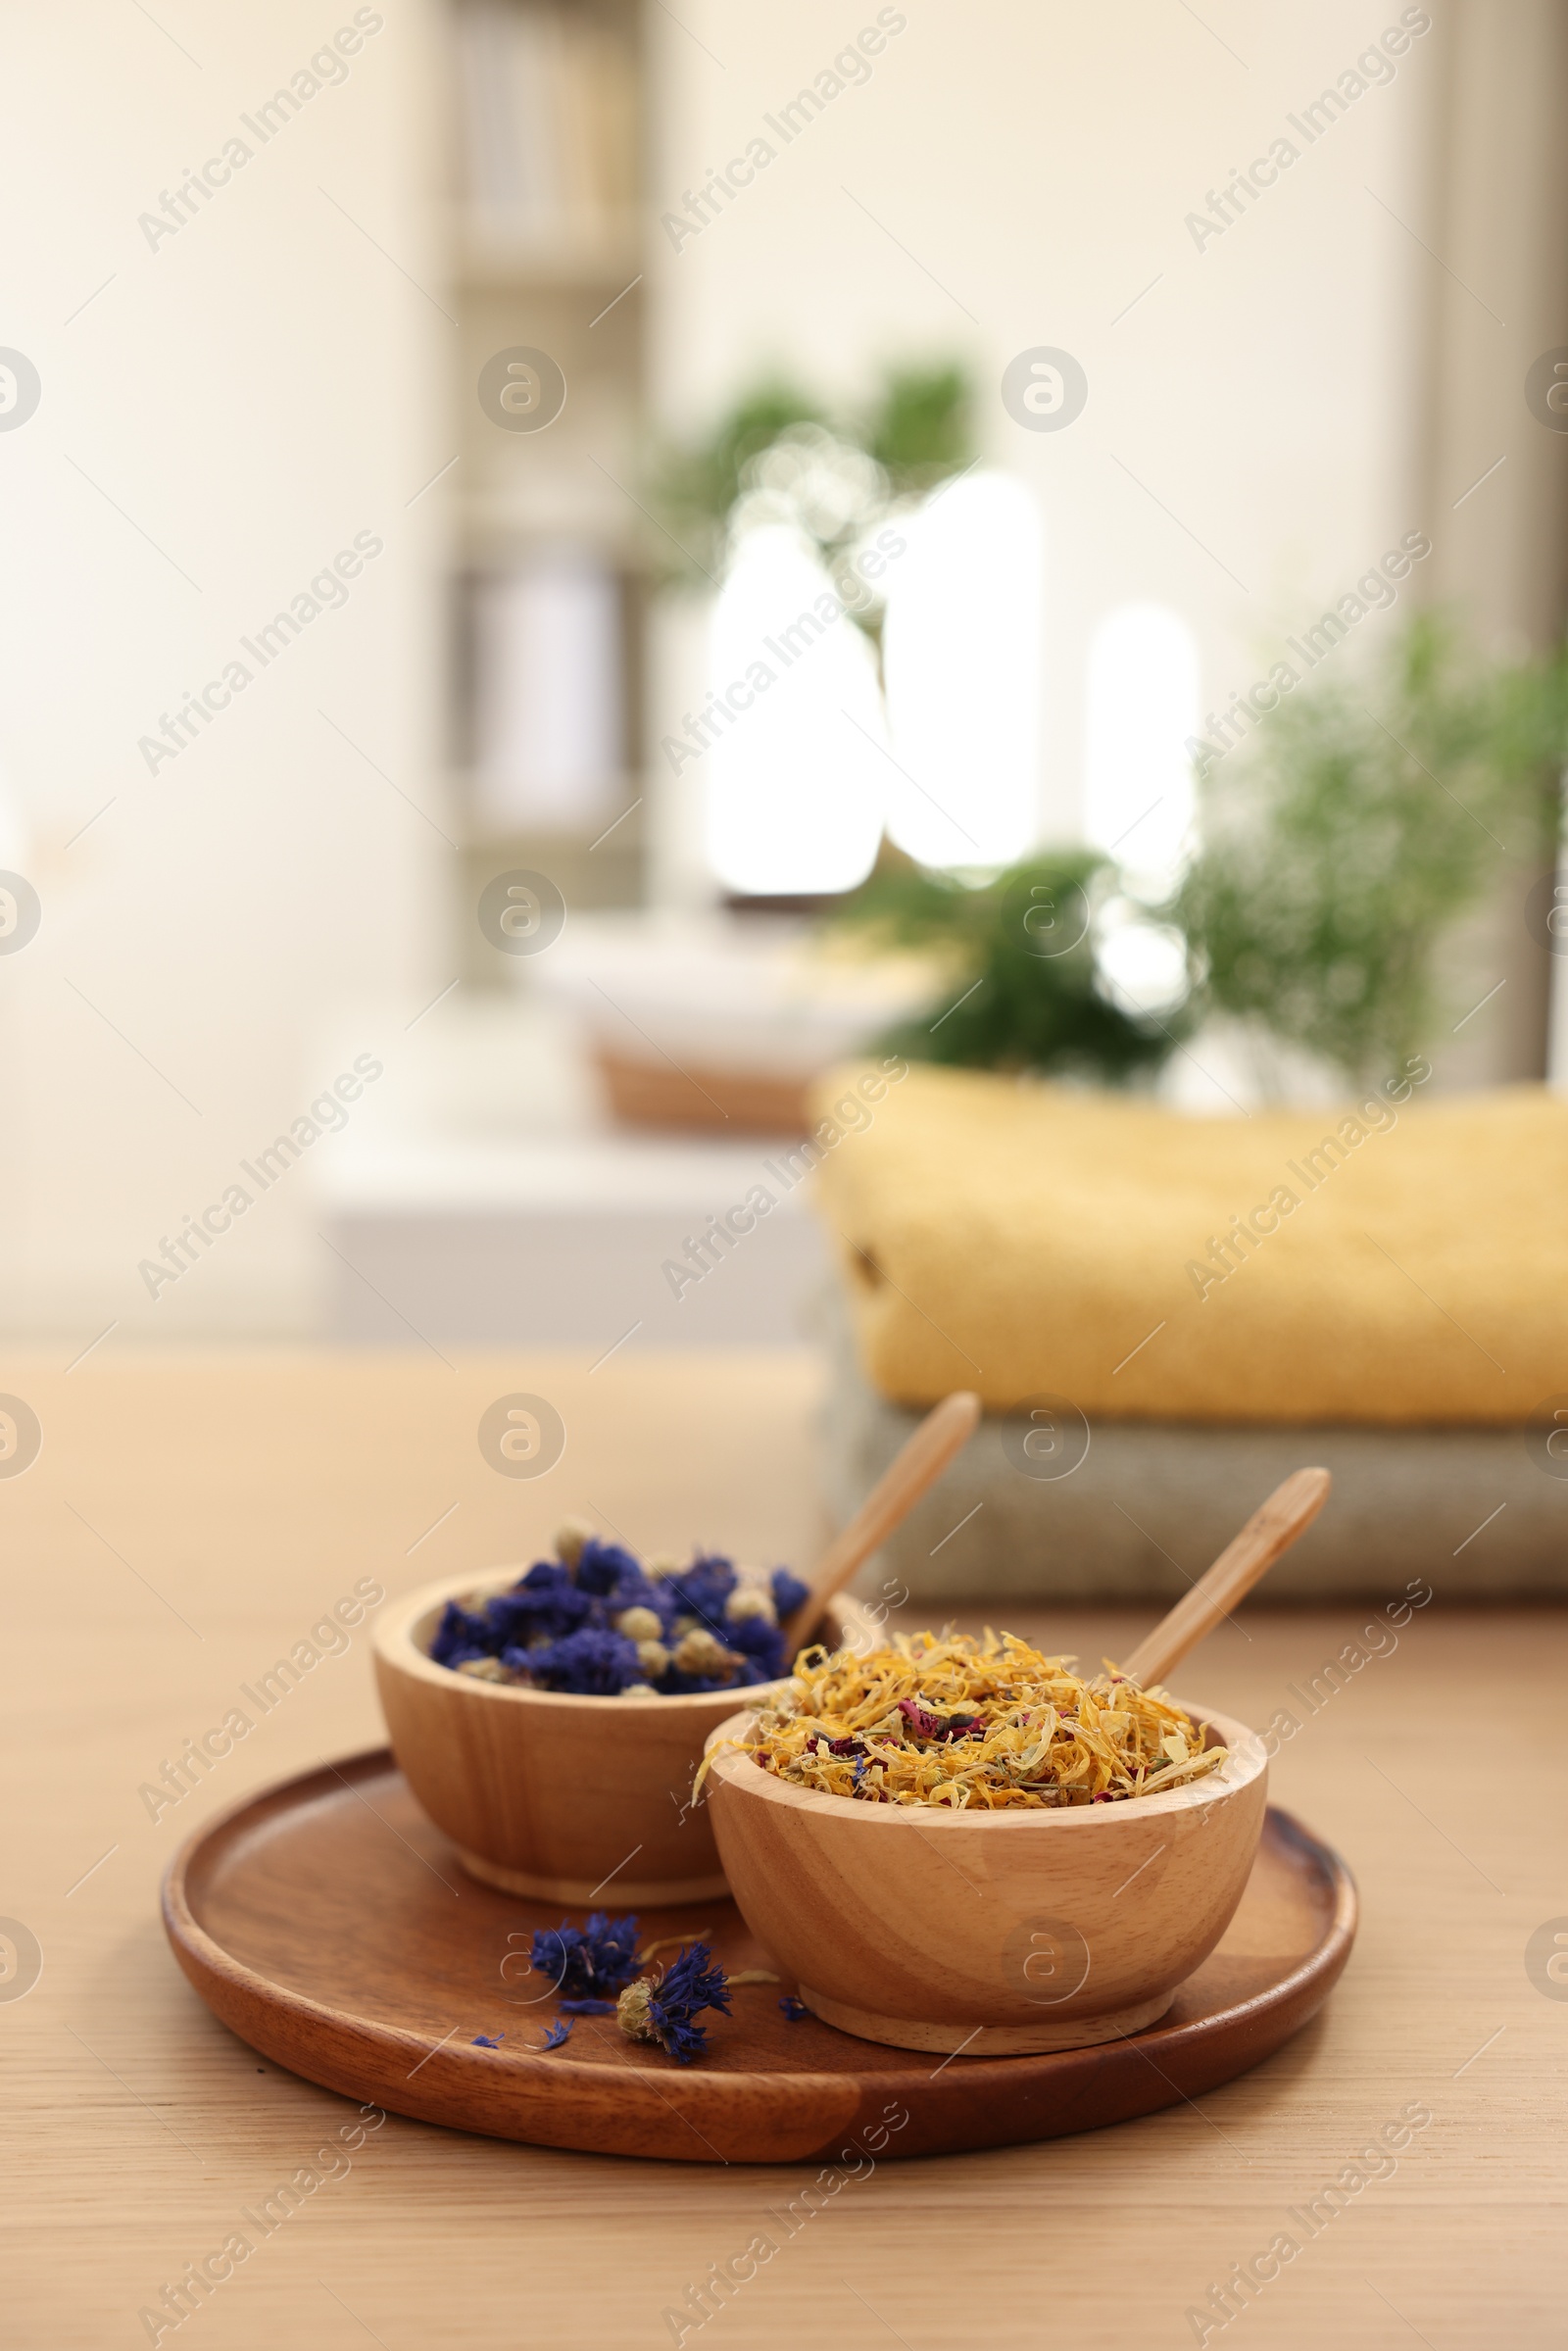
(789, 1592)
(758, 1639)
(587, 1961)
(459, 1636)
(592, 1663)
(559, 2032)
(482, 2040)
(702, 1588)
(587, 2007)
(794, 2009)
(605, 1568)
(662, 2010)
(545, 1603)
(565, 1626)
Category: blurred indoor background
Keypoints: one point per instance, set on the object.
(541, 365)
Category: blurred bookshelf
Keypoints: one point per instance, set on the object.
(547, 591)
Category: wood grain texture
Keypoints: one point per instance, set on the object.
(247, 1493)
(545, 1793)
(931, 1929)
(1267, 1534)
(327, 1923)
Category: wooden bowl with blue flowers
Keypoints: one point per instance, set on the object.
(552, 1718)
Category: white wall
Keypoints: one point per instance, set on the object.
(1037, 162)
(250, 393)
(272, 380)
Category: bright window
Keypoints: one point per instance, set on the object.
(797, 775)
(1143, 699)
(961, 664)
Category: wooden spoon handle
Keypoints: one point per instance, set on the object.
(944, 1433)
(1289, 1511)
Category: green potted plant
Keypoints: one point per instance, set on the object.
(1366, 817)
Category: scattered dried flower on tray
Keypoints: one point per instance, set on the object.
(661, 2008)
(595, 1622)
(589, 1961)
(976, 1725)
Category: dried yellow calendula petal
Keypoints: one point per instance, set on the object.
(973, 1725)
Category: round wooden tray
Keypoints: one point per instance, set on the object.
(327, 1923)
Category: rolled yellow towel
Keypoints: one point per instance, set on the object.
(1396, 1260)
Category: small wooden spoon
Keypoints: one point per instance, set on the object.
(1289, 1511)
(943, 1435)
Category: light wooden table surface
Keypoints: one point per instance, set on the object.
(186, 1521)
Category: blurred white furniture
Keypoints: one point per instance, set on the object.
(485, 1197)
